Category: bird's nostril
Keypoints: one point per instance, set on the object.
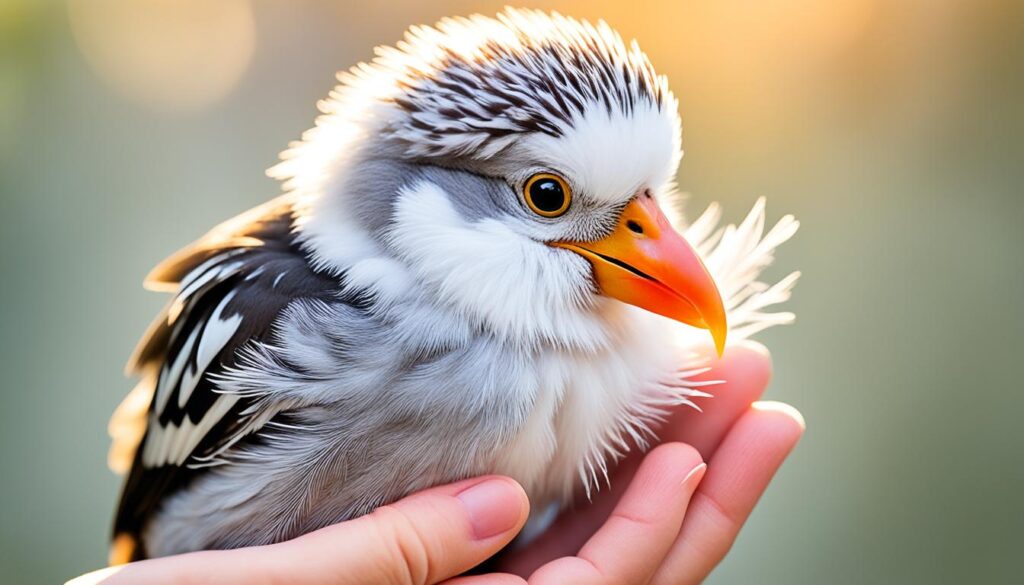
(635, 227)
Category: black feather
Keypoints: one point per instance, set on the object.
(263, 244)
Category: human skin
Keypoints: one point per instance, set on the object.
(668, 518)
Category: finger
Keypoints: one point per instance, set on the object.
(737, 475)
(648, 518)
(427, 537)
(424, 538)
(745, 368)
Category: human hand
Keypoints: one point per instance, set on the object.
(660, 523)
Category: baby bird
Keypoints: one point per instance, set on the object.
(470, 271)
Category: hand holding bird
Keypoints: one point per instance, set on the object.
(475, 269)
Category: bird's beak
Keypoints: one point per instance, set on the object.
(646, 263)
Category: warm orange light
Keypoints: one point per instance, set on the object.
(174, 55)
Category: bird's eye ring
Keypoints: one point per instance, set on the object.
(547, 195)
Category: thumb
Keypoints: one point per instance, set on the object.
(425, 538)
(428, 536)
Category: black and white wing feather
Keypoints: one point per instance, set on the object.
(230, 286)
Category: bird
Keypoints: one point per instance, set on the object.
(477, 265)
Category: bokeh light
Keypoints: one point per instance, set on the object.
(168, 54)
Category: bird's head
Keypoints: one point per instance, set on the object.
(514, 166)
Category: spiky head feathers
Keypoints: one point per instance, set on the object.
(470, 85)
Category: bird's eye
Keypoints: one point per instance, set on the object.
(547, 195)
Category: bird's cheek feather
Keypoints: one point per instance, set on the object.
(646, 263)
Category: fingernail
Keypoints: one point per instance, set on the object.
(693, 478)
(493, 507)
(772, 406)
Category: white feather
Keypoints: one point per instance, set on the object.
(171, 374)
(613, 154)
(385, 278)
(172, 443)
(522, 290)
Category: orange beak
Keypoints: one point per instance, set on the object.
(646, 263)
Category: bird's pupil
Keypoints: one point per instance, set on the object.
(547, 195)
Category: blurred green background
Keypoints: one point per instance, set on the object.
(892, 129)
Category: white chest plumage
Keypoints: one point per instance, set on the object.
(590, 406)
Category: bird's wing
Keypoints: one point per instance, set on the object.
(230, 287)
